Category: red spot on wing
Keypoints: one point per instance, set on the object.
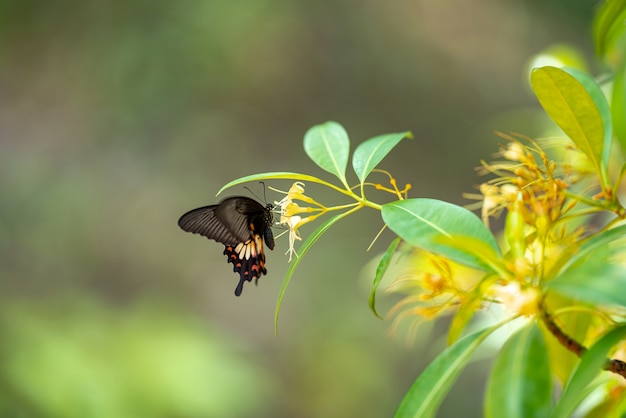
(248, 260)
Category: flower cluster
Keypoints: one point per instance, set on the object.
(527, 173)
(433, 287)
(291, 213)
(533, 191)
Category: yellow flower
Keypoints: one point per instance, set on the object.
(293, 222)
(496, 199)
(527, 182)
(290, 214)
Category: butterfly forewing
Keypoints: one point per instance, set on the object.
(241, 224)
(203, 221)
(238, 213)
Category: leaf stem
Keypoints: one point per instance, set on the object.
(612, 365)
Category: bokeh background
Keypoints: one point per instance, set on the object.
(116, 117)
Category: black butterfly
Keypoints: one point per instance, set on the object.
(241, 224)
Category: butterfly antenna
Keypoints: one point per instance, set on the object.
(256, 195)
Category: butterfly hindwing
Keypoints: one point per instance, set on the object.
(248, 260)
(241, 224)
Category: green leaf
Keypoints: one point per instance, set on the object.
(371, 152)
(595, 282)
(590, 366)
(304, 248)
(279, 176)
(328, 146)
(577, 323)
(520, 384)
(573, 109)
(433, 225)
(380, 273)
(598, 97)
(618, 107)
(608, 25)
(428, 391)
(598, 241)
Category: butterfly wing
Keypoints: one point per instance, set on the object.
(203, 221)
(240, 223)
(248, 260)
(244, 217)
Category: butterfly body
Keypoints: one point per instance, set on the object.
(241, 224)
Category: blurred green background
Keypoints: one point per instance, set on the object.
(117, 117)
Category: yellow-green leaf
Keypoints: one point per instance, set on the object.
(520, 384)
(573, 109)
(380, 272)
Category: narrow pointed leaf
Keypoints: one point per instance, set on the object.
(371, 152)
(618, 108)
(590, 366)
(598, 241)
(608, 25)
(328, 146)
(304, 248)
(573, 109)
(520, 384)
(599, 99)
(380, 273)
(431, 224)
(430, 388)
(594, 282)
(279, 176)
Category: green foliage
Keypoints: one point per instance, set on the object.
(381, 269)
(573, 106)
(453, 235)
(328, 146)
(608, 30)
(610, 42)
(370, 153)
(549, 267)
(430, 388)
(581, 381)
(594, 282)
(520, 384)
(594, 243)
(107, 133)
(435, 225)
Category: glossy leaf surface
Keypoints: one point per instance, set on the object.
(433, 225)
(428, 391)
(573, 109)
(328, 146)
(520, 384)
(371, 152)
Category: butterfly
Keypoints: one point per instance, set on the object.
(241, 224)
